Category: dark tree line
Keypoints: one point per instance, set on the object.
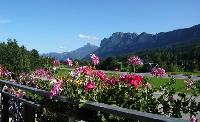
(182, 57)
(18, 59)
(175, 58)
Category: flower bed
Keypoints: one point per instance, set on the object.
(131, 91)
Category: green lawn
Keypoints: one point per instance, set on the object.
(156, 82)
(61, 72)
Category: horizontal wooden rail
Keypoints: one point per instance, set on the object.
(132, 114)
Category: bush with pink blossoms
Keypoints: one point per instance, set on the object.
(95, 59)
(158, 72)
(135, 60)
(132, 79)
(88, 86)
(112, 81)
(42, 73)
(134, 63)
(85, 70)
(5, 74)
(69, 62)
(56, 63)
(56, 88)
(100, 74)
(193, 119)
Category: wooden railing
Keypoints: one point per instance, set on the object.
(18, 109)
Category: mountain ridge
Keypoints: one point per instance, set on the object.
(120, 43)
(75, 54)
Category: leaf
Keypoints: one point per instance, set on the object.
(82, 103)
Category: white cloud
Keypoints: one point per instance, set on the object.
(5, 21)
(62, 47)
(90, 38)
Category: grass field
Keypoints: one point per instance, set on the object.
(61, 72)
(179, 85)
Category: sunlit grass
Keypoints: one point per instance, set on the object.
(157, 82)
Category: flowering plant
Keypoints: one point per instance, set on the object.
(95, 59)
(158, 72)
(130, 90)
(69, 62)
(135, 61)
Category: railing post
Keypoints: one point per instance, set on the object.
(72, 118)
(5, 112)
(29, 113)
(87, 114)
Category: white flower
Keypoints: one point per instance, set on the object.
(53, 81)
(72, 73)
(54, 68)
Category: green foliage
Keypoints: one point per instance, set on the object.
(111, 63)
(18, 59)
(175, 58)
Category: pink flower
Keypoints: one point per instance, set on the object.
(135, 83)
(94, 58)
(193, 118)
(69, 62)
(56, 88)
(89, 86)
(135, 60)
(158, 72)
(132, 79)
(101, 75)
(112, 81)
(5, 73)
(56, 63)
(84, 70)
(20, 93)
(43, 74)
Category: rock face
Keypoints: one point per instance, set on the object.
(123, 43)
(76, 54)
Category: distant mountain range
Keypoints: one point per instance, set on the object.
(79, 53)
(121, 44)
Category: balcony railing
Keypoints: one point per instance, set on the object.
(26, 110)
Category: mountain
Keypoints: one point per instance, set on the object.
(119, 44)
(76, 54)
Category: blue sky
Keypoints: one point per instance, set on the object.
(64, 25)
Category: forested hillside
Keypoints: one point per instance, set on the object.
(177, 57)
